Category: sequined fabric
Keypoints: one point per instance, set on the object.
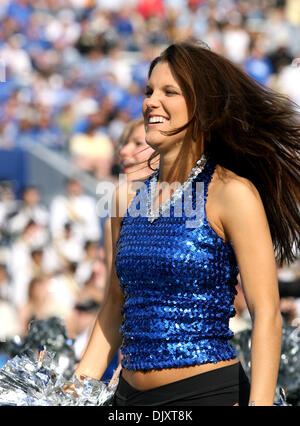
(179, 285)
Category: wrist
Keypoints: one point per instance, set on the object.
(260, 402)
(82, 374)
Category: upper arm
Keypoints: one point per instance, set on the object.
(113, 227)
(107, 243)
(245, 223)
(121, 199)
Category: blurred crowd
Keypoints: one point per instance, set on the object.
(72, 75)
(75, 70)
(51, 262)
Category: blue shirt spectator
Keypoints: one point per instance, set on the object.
(140, 72)
(123, 25)
(20, 11)
(258, 66)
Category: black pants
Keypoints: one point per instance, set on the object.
(225, 386)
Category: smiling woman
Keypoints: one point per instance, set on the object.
(164, 109)
(172, 287)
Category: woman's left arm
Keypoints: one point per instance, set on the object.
(245, 223)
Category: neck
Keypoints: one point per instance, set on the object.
(167, 164)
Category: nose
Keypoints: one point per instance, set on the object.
(125, 150)
(152, 101)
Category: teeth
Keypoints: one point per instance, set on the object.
(157, 119)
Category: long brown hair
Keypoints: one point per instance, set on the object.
(247, 128)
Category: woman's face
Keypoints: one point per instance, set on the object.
(164, 109)
(135, 153)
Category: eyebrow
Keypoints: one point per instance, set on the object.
(166, 86)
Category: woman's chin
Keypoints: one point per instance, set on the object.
(155, 143)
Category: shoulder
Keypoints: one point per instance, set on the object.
(231, 188)
(239, 205)
(231, 198)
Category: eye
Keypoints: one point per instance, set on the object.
(170, 92)
(148, 92)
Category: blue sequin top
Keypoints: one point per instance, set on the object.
(179, 286)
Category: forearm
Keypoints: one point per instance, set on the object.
(265, 358)
(103, 343)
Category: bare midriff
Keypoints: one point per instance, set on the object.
(149, 379)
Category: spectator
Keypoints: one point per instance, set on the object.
(288, 81)
(191, 21)
(47, 132)
(79, 324)
(280, 58)
(258, 65)
(8, 205)
(5, 285)
(40, 303)
(64, 288)
(20, 260)
(236, 41)
(77, 208)
(21, 11)
(94, 287)
(277, 29)
(16, 58)
(293, 12)
(150, 8)
(28, 209)
(92, 151)
(67, 247)
(25, 128)
(86, 264)
(9, 321)
(112, 5)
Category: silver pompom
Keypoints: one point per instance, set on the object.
(35, 381)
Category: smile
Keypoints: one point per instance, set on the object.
(157, 119)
